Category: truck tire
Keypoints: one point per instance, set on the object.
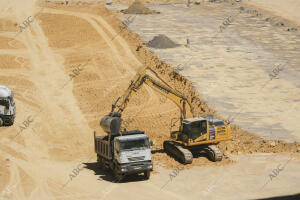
(118, 175)
(147, 174)
(100, 162)
(11, 122)
(1, 122)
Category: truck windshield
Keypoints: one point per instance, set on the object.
(4, 102)
(134, 144)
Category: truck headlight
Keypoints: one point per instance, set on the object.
(150, 167)
(123, 170)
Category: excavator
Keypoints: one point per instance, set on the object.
(195, 136)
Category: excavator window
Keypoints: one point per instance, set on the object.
(195, 129)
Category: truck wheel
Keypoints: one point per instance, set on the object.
(11, 122)
(118, 175)
(100, 162)
(147, 174)
(1, 122)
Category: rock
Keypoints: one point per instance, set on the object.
(108, 2)
(268, 19)
(292, 29)
(272, 143)
(279, 24)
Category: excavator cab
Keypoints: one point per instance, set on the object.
(194, 128)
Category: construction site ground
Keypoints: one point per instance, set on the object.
(67, 64)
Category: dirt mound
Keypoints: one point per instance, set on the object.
(243, 142)
(138, 8)
(161, 42)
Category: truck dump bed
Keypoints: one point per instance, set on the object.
(102, 146)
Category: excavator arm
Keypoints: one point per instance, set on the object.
(160, 86)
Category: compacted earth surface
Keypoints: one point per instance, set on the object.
(68, 61)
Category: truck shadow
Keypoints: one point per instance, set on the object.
(288, 197)
(154, 151)
(107, 175)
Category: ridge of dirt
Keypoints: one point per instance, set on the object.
(271, 16)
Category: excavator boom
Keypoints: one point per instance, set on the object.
(160, 86)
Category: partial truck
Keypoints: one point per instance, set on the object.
(126, 152)
(7, 106)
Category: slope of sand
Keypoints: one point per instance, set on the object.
(66, 69)
(288, 9)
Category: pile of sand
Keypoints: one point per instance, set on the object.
(138, 8)
(161, 42)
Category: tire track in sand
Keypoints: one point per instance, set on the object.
(93, 19)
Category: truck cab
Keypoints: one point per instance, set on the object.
(132, 153)
(7, 106)
(124, 153)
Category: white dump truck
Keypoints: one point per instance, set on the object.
(7, 106)
(124, 153)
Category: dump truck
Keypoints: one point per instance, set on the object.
(124, 153)
(7, 106)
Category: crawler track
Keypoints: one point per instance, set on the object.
(178, 152)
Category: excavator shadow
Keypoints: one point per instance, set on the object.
(196, 154)
(107, 175)
(201, 155)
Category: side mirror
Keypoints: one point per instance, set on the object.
(152, 143)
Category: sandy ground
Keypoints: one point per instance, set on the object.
(66, 66)
(288, 9)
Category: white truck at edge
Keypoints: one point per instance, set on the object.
(7, 106)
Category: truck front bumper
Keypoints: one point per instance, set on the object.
(7, 119)
(137, 167)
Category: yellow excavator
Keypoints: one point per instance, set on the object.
(196, 135)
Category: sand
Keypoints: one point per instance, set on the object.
(288, 9)
(66, 107)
